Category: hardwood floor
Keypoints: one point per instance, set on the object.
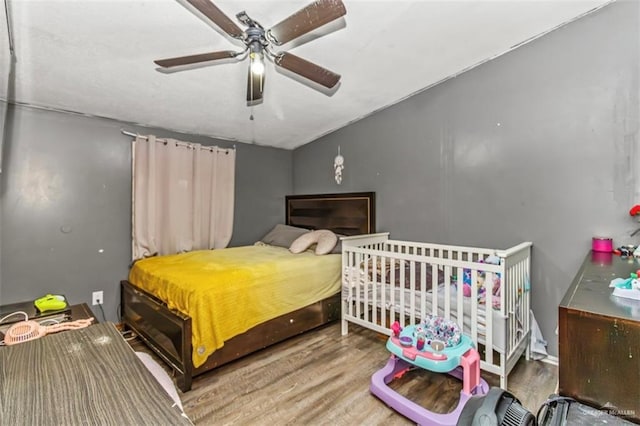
(322, 378)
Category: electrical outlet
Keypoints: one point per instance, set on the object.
(97, 297)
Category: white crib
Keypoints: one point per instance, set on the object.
(387, 280)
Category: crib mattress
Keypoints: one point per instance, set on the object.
(382, 296)
(226, 292)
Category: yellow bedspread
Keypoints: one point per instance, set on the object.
(228, 291)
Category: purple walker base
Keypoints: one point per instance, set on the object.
(410, 409)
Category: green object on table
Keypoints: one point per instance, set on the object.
(50, 302)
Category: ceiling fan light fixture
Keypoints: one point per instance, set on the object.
(257, 63)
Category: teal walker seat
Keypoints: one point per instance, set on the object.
(437, 345)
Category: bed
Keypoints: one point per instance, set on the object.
(485, 291)
(196, 336)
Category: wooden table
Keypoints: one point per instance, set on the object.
(599, 339)
(82, 311)
(70, 313)
(88, 376)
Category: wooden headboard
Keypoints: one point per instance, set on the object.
(347, 214)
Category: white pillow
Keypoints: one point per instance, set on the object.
(303, 242)
(324, 239)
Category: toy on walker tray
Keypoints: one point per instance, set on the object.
(435, 344)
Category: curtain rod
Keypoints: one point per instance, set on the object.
(134, 135)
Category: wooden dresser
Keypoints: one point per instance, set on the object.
(599, 338)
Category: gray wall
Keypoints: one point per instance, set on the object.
(538, 145)
(66, 191)
(4, 107)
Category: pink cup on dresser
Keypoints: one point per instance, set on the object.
(602, 244)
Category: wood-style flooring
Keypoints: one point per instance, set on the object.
(322, 378)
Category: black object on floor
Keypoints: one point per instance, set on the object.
(497, 407)
(560, 411)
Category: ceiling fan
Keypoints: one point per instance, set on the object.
(258, 43)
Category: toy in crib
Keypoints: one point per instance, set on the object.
(480, 282)
(435, 344)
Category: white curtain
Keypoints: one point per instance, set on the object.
(183, 196)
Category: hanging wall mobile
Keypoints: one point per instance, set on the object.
(338, 166)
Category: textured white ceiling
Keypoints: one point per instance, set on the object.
(95, 57)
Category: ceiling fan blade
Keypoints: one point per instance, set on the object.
(307, 69)
(211, 11)
(193, 59)
(255, 85)
(307, 19)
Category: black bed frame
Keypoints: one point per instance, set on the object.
(168, 332)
